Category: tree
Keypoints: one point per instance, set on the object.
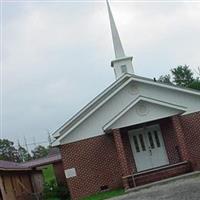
(40, 151)
(182, 75)
(195, 84)
(165, 79)
(7, 151)
(23, 154)
(198, 71)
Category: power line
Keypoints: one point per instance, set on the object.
(29, 145)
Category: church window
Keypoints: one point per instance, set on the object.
(136, 144)
(142, 142)
(151, 140)
(124, 69)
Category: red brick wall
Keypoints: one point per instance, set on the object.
(191, 127)
(96, 164)
(128, 151)
(162, 174)
(96, 159)
(170, 140)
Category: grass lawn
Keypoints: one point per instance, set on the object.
(53, 199)
(48, 173)
(105, 195)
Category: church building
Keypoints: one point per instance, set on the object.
(135, 132)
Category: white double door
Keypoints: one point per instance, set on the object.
(148, 147)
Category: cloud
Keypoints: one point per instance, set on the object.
(58, 56)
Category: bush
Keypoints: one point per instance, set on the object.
(53, 191)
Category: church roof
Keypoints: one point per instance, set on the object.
(103, 97)
(92, 104)
(123, 79)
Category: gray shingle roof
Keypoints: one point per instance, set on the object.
(53, 157)
(7, 165)
(43, 161)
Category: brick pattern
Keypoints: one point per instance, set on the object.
(121, 155)
(181, 139)
(97, 160)
(96, 164)
(128, 151)
(162, 174)
(170, 140)
(191, 127)
(121, 152)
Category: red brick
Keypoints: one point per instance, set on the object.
(191, 128)
(96, 164)
(105, 159)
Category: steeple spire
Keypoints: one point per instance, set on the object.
(122, 64)
(119, 51)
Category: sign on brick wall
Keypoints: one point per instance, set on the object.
(69, 173)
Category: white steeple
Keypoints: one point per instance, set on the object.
(122, 64)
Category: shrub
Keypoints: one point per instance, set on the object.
(53, 191)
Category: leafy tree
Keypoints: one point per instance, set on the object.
(165, 79)
(198, 71)
(182, 75)
(40, 151)
(23, 154)
(7, 151)
(195, 84)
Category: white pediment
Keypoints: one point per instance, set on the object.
(120, 105)
(143, 110)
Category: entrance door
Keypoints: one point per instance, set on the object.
(148, 147)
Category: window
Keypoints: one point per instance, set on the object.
(151, 140)
(124, 69)
(136, 144)
(157, 138)
(142, 142)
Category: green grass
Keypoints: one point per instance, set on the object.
(48, 173)
(53, 199)
(105, 195)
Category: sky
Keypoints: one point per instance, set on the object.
(56, 55)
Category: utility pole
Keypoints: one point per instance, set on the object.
(25, 144)
(34, 142)
(49, 137)
(20, 155)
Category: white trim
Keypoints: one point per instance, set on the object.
(92, 111)
(142, 98)
(121, 59)
(161, 149)
(151, 82)
(84, 109)
(75, 121)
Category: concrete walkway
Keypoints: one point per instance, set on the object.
(186, 188)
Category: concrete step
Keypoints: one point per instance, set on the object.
(165, 181)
